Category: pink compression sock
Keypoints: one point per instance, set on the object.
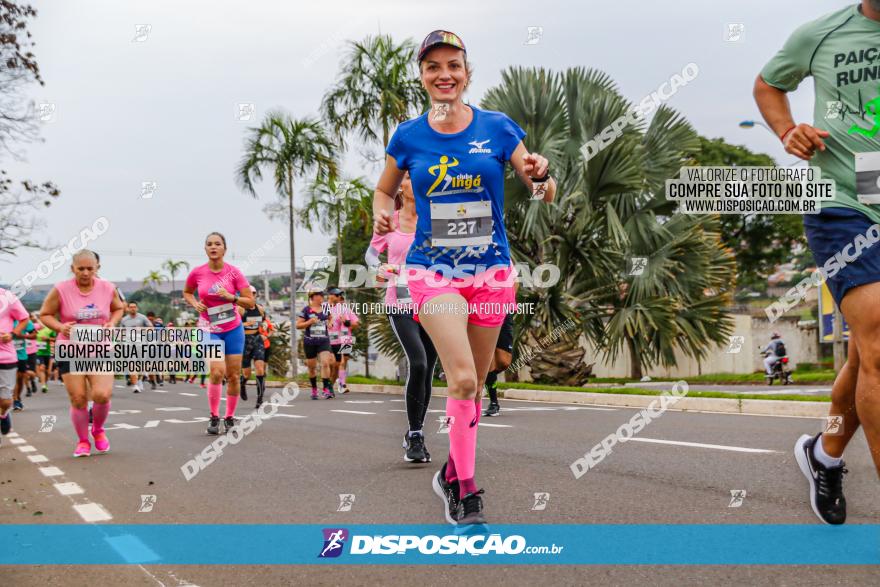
(342, 377)
(463, 440)
(451, 475)
(99, 415)
(80, 419)
(214, 392)
(231, 402)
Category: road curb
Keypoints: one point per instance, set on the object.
(757, 407)
(686, 404)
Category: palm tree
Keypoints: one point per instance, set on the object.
(333, 203)
(173, 267)
(378, 88)
(289, 148)
(154, 278)
(609, 210)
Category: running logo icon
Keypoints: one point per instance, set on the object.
(833, 109)
(148, 188)
(734, 32)
(48, 422)
(334, 540)
(541, 500)
(445, 423)
(147, 503)
(737, 496)
(638, 265)
(736, 344)
(534, 35)
(346, 500)
(833, 425)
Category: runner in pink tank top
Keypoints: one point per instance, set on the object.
(11, 311)
(82, 301)
(222, 288)
(415, 342)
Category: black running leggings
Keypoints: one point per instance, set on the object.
(421, 358)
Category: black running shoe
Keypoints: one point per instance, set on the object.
(415, 448)
(17, 406)
(492, 410)
(229, 423)
(6, 424)
(826, 483)
(214, 425)
(448, 492)
(153, 385)
(29, 393)
(244, 392)
(470, 509)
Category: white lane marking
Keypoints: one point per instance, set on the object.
(69, 488)
(121, 426)
(398, 400)
(51, 471)
(364, 401)
(124, 412)
(18, 441)
(283, 416)
(193, 421)
(37, 458)
(27, 449)
(152, 423)
(354, 412)
(173, 409)
(12, 435)
(429, 411)
(158, 391)
(495, 425)
(589, 408)
(189, 394)
(701, 445)
(92, 512)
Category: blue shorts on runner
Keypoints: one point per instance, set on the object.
(233, 339)
(834, 230)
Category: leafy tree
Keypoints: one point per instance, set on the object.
(288, 149)
(173, 268)
(759, 241)
(154, 279)
(19, 199)
(378, 88)
(611, 209)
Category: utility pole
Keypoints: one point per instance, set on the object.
(266, 285)
(837, 340)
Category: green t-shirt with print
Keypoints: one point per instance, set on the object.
(841, 52)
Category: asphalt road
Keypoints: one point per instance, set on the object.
(292, 469)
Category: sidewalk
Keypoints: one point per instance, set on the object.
(768, 407)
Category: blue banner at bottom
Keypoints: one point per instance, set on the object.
(274, 544)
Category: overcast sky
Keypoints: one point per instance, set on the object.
(165, 108)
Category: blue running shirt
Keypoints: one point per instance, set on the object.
(458, 183)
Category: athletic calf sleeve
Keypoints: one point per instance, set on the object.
(463, 437)
(214, 392)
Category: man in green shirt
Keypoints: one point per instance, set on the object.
(841, 52)
(45, 339)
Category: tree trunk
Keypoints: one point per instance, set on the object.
(635, 361)
(293, 288)
(338, 247)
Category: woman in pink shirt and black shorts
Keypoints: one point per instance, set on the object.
(85, 300)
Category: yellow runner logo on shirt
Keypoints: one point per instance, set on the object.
(460, 183)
